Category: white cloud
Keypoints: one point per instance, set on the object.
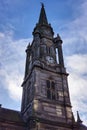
(76, 29)
(12, 61)
(75, 45)
(12, 84)
(2, 35)
(76, 65)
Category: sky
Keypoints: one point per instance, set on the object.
(17, 21)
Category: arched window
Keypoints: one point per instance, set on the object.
(51, 90)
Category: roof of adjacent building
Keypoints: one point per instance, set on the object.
(83, 127)
(10, 115)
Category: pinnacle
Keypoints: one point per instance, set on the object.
(78, 118)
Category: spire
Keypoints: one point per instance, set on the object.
(43, 17)
(78, 118)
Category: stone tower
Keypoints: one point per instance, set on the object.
(46, 101)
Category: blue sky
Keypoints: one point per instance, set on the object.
(17, 21)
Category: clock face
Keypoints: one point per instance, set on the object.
(50, 59)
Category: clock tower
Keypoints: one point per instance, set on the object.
(46, 101)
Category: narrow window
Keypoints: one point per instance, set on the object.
(51, 90)
(57, 56)
(53, 85)
(48, 90)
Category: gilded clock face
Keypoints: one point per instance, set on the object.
(49, 59)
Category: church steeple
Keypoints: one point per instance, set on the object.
(43, 17)
(45, 88)
(43, 27)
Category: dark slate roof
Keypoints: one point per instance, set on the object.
(83, 127)
(10, 115)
